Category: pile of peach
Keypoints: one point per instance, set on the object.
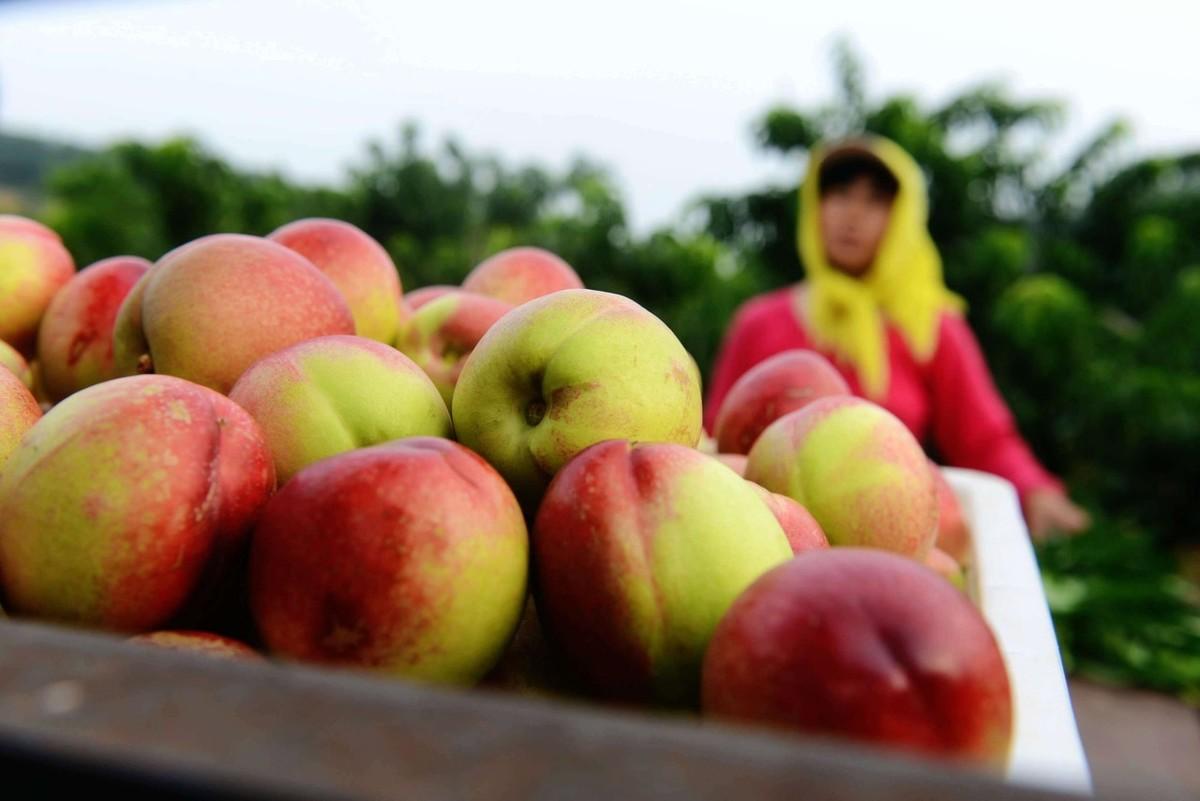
(506, 482)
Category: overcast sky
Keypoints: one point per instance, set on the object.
(662, 92)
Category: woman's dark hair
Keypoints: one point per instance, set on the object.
(844, 169)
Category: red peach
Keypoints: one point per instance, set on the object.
(801, 528)
(864, 645)
(783, 383)
(408, 557)
(75, 346)
(521, 274)
(358, 266)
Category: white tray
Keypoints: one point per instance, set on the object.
(1005, 583)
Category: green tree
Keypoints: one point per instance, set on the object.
(143, 200)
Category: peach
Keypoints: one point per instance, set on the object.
(33, 266)
(409, 558)
(945, 566)
(15, 224)
(198, 642)
(953, 537)
(442, 333)
(864, 645)
(129, 503)
(857, 469)
(357, 265)
(329, 395)
(566, 371)
(783, 383)
(521, 274)
(15, 363)
(638, 552)
(75, 348)
(211, 308)
(419, 297)
(734, 461)
(19, 410)
(802, 530)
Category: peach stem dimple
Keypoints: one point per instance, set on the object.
(535, 411)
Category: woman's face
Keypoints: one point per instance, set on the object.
(854, 218)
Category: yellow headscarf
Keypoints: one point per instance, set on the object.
(904, 284)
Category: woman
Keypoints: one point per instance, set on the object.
(875, 304)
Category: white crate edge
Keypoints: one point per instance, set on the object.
(1005, 583)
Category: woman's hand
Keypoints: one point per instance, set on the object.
(1049, 512)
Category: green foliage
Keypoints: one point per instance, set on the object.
(1040, 323)
(1121, 612)
(143, 200)
(1172, 334)
(991, 262)
(1047, 321)
(25, 161)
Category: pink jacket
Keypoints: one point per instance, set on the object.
(950, 401)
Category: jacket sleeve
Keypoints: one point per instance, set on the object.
(733, 359)
(972, 425)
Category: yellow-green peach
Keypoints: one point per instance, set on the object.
(357, 265)
(857, 469)
(410, 558)
(19, 410)
(333, 394)
(566, 371)
(128, 502)
(638, 552)
(211, 308)
(75, 338)
(33, 266)
(15, 363)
